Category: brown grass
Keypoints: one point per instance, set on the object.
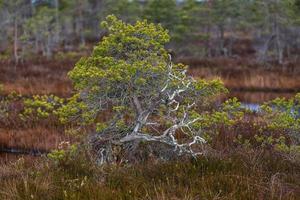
(44, 77)
(235, 177)
(246, 79)
(33, 138)
(258, 96)
(41, 77)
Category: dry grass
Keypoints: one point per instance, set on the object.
(246, 79)
(258, 96)
(33, 138)
(44, 77)
(233, 177)
(37, 78)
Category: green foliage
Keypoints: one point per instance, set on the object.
(262, 141)
(284, 115)
(130, 62)
(6, 103)
(276, 128)
(4, 108)
(226, 115)
(129, 58)
(41, 107)
(65, 152)
(56, 155)
(76, 111)
(278, 144)
(128, 49)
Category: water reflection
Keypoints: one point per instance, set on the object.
(254, 107)
(252, 100)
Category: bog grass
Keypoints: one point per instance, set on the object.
(234, 176)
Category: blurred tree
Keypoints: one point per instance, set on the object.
(79, 11)
(40, 30)
(225, 16)
(190, 33)
(275, 26)
(14, 13)
(180, 18)
(198, 28)
(128, 10)
(297, 5)
(164, 12)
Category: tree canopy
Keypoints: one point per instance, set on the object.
(150, 98)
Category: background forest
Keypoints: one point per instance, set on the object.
(262, 30)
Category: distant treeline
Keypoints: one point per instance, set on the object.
(266, 30)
